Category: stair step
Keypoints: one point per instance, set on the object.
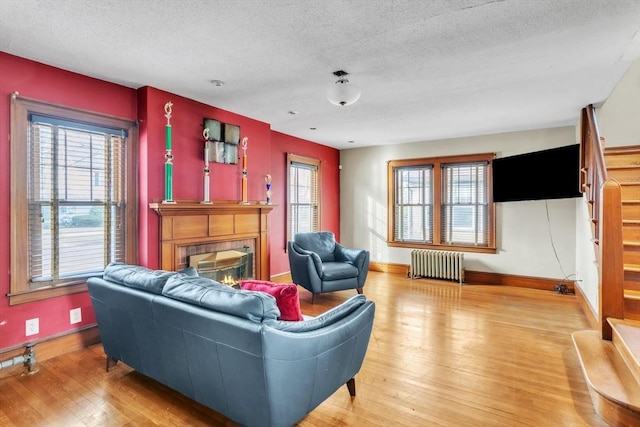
(633, 268)
(621, 156)
(613, 388)
(626, 338)
(624, 173)
(631, 230)
(632, 305)
(631, 257)
(630, 190)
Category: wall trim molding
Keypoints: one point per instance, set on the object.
(542, 283)
(588, 311)
(52, 346)
(390, 268)
(485, 278)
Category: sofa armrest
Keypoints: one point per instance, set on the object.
(305, 368)
(323, 320)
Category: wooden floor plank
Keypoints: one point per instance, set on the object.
(440, 354)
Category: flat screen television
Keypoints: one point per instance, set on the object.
(541, 175)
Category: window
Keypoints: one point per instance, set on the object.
(303, 201)
(442, 203)
(73, 198)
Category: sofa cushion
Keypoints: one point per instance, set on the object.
(189, 271)
(205, 292)
(325, 319)
(136, 276)
(286, 296)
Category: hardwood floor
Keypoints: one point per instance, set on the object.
(439, 355)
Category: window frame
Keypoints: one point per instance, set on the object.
(437, 182)
(310, 161)
(20, 290)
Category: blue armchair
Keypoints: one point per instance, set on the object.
(320, 264)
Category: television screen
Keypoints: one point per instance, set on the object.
(541, 175)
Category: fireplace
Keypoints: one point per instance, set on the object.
(228, 266)
(192, 232)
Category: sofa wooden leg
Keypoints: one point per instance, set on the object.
(360, 291)
(351, 385)
(313, 298)
(111, 362)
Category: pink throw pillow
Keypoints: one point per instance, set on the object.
(286, 296)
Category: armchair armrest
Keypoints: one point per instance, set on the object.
(306, 267)
(315, 258)
(357, 257)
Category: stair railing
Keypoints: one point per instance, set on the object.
(605, 201)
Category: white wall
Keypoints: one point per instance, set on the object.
(586, 267)
(534, 238)
(619, 116)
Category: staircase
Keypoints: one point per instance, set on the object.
(623, 165)
(610, 354)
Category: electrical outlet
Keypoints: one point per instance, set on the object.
(75, 315)
(32, 326)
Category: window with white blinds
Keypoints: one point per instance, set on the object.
(76, 208)
(74, 198)
(442, 203)
(303, 200)
(413, 204)
(465, 204)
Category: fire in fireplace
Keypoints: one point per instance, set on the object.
(227, 266)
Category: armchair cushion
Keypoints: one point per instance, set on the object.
(322, 243)
(338, 270)
(286, 296)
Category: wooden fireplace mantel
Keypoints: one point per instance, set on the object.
(187, 223)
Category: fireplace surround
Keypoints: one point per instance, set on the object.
(191, 229)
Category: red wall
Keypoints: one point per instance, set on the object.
(282, 144)
(266, 154)
(44, 83)
(188, 159)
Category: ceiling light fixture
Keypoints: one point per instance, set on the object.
(342, 92)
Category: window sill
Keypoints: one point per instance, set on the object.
(476, 249)
(45, 293)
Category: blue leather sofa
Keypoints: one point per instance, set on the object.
(226, 348)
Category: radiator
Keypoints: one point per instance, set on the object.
(437, 264)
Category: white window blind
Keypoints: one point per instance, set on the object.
(464, 204)
(76, 199)
(303, 198)
(413, 204)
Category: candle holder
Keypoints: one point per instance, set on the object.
(244, 144)
(168, 164)
(205, 196)
(267, 180)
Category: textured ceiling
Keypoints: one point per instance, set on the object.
(428, 69)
